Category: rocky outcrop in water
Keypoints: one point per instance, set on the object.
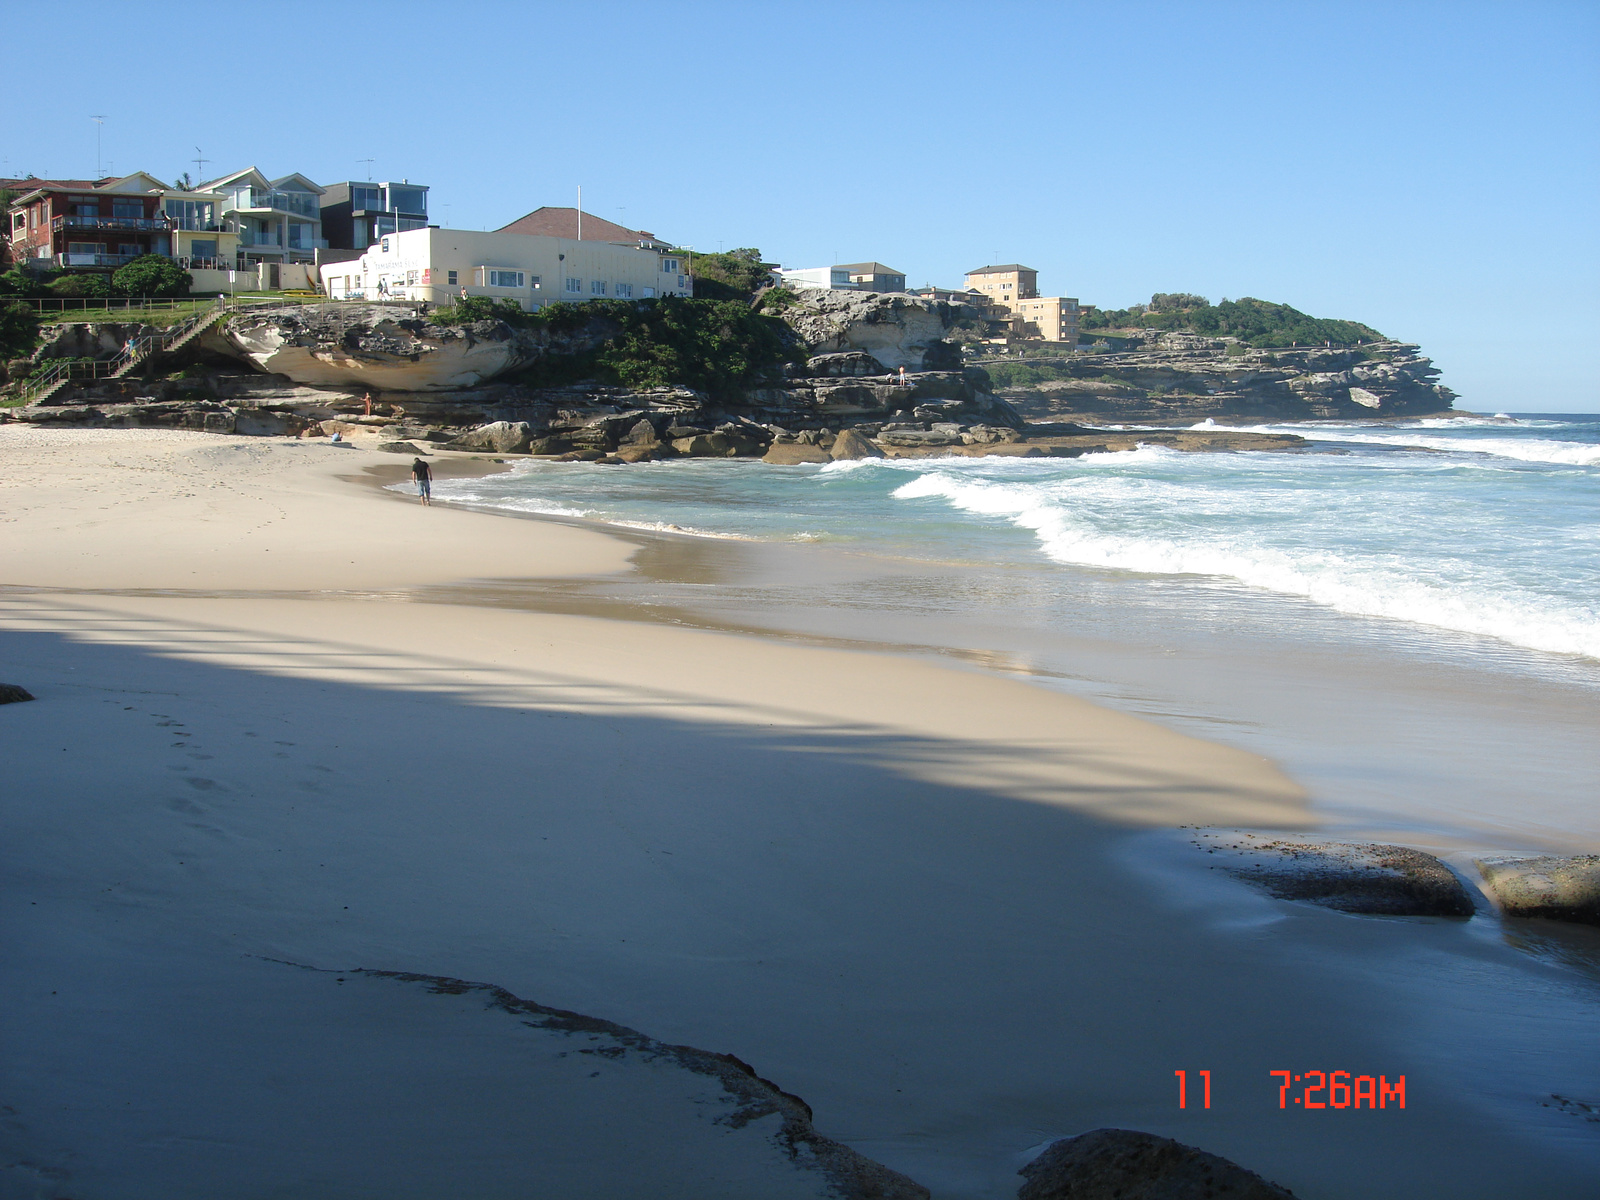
(1185, 377)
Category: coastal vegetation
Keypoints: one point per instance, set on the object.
(19, 330)
(714, 346)
(1259, 323)
(731, 275)
(147, 275)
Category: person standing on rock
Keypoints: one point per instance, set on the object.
(368, 401)
(424, 478)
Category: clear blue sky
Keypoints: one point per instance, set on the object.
(1430, 169)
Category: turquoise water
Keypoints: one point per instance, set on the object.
(1485, 527)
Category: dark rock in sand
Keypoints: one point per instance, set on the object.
(401, 448)
(10, 693)
(1355, 878)
(1123, 1164)
(1557, 889)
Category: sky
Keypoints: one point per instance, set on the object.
(1431, 169)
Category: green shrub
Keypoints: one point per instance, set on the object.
(715, 346)
(1256, 322)
(17, 282)
(152, 275)
(80, 285)
(733, 275)
(19, 329)
(470, 309)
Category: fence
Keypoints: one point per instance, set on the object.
(64, 304)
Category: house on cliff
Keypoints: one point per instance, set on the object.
(441, 265)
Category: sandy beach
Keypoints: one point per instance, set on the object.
(285, 738)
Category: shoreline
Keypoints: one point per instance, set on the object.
(924, 899)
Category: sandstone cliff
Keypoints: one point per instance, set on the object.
(1181, 376)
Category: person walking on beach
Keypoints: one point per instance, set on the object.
(424, 478)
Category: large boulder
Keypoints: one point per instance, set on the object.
(499, 437)
(846, 363)
(851, 445)
(1354, 878)
(101, 340)
(1558, 889)
(10, 693)
(1124, 1164)
(895, 329)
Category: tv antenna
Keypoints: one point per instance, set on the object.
(99, 120)
(200, 161)
(369, 162)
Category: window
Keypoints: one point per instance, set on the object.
(385, 246)
(506, 279)
(647, 293)
(625, 290)
(597, 287)
(86, 210)
(450, 278)
(127, 209)
(365, 198)
(130, 250)
(574, 285)
(669, 266)
(683, 282)
(411, 278)
(203, 247)
(84, 247)
(534, 283)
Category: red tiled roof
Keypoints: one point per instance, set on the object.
(563, 222)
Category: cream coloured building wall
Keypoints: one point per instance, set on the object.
(1005, 284)
(1050, 318)
(438, 264)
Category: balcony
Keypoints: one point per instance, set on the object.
(142, 224)
(300, 203)
(251, 237)
(92, 260)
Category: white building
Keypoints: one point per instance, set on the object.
(818, 277)
(438, 265)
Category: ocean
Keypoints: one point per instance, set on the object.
(1393, 613)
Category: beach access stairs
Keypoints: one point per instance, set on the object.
(135, 354)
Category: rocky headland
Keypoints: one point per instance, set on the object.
(1178, 376)
(871, 374)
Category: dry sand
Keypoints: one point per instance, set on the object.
(941, 906)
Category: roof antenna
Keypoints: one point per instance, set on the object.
(99, 120)
(369, 162)
(200, 161)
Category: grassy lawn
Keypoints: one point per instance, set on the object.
(162, 317)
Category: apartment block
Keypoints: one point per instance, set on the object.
(1015, 288)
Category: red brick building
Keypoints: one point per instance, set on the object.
(82, 224)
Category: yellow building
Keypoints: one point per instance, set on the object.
(1016, 289)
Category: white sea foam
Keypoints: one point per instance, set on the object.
(1074, 525)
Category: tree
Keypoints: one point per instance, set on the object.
(152, 275)
(734, 275)
(19, 329)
